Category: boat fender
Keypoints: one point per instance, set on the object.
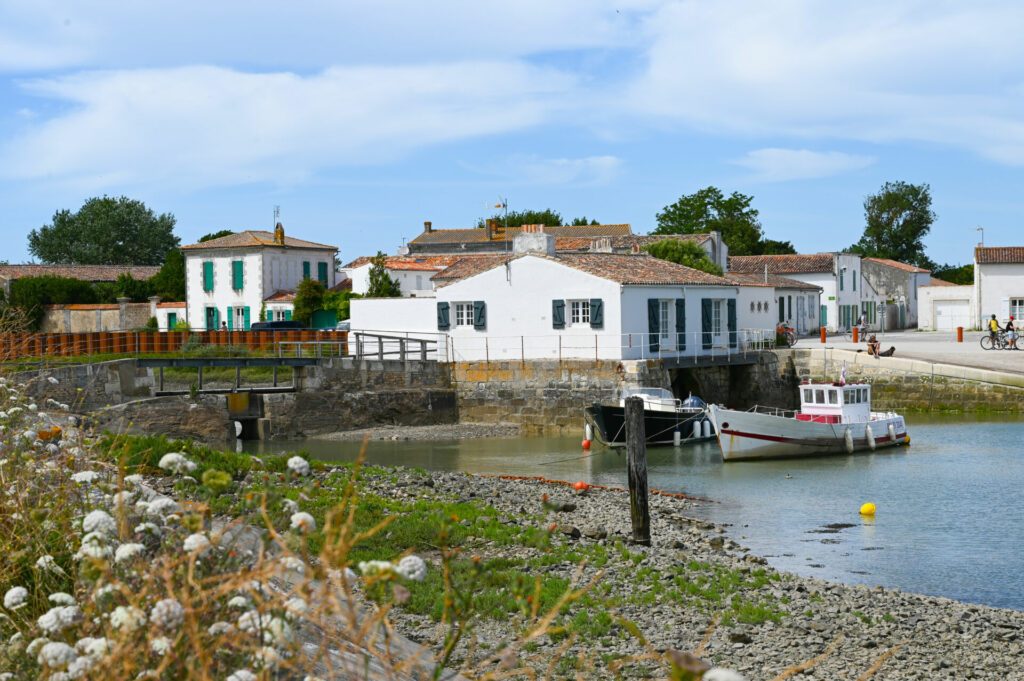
(677, 438)
(696, 429)
(848, 439)
(871, 437)
(892, 433)
(588, 432)
(706, 428)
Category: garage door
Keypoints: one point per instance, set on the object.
(950, 314)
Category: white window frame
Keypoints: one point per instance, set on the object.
(716, 321)
(664, 319)
(1017, 307)
(579, 312)
(463, 314)
(239, 313)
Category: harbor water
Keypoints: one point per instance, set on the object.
(950, 518)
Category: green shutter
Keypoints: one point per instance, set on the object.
(596, 313)
(321, 272)
(558, 314)
(172, 320)
(705, 323)
(840, 280)
(216, 318)
(207, 276)
(855, 280)
(237, 275)
(733, 332)
(245, 312)
(305, 269)
(479, 315)
(287, 315)
(443, 317)
(782, 309)
(653, 323)
(231, 319)
(789, 305)
(680, 323)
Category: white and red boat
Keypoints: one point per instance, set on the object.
(834, 418)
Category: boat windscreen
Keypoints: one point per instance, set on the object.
(648, 392)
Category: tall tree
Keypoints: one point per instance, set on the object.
(683, 253)
(709, 210)
(105, 231)
(897, 219)
(309, 297)
(518, 218)
(169, 282)
(215, 235)
(955, 274)
(381, 283)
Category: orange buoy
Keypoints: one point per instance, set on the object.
(580, 486)
(586, 445)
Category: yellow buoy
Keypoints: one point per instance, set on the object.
(867, 509)
(906, 440)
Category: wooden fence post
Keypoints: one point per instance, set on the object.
(636, 464)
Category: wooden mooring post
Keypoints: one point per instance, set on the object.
(636, 465)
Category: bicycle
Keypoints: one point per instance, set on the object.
(786, 334)
(1000, 341)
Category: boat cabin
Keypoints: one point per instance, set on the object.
(835, 403)
(655, 399)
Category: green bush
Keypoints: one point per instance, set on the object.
(32, 294)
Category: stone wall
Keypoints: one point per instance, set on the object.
(771, 381)
(348, 374)
(545, 397)
(176, 416)
(85, 387)
(902, 384)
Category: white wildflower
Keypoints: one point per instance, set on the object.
(29, 435)
(242, 675)
(167, 614)
(134, 479)
(127, 552)
(15, 597)
(147, 528)
(412, 567)
(249, 622)
(56, 620)
(369, 568)
(296, 607)
(36, 644)
(122, 498)
(79, 668)
(99, 522)
(268, 657)
(162, 506)
(277, 632)
(32, 406)
(85, 477)
(96, 647)
(303, 521)
(220, 628)
(292, 563)
(53, 380)
(196, 542)
(61, 598)
(93, 546)
(238, 602)
(721, 674)
(290, 506)
(298, 465)
(176, 462)
(161, 645)
(48, 564)
(56, 655)
(346, 575)
(127, 618)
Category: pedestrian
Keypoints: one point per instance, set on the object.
(1011, 334)
(223, 326)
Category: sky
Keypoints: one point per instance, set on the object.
(361, 120)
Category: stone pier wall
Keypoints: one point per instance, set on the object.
(906, 384)
(545, 397)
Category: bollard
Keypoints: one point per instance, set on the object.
(856, 334)
(636, 470)
(823, 334)
(959, 334)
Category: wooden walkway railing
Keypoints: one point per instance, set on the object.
(17, 346)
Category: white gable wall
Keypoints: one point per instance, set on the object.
(1000, 287)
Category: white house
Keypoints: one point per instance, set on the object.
(538, 303)
(228, 281)
(998, 282)
(413, 273)
(943, 306)
(895, 285)
(779, 300)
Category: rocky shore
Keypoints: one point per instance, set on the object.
(442, 431)
(696, 590)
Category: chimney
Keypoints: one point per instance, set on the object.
(602, 245)
(490, 229)
(635, 249)
(428, 226)
(533, 239)
(279, 234)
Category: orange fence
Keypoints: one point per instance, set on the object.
(14, 346)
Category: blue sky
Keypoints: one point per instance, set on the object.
(362, 120)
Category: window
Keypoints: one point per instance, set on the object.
(662, 319)
(579, 313)
(237, 275)
(841, 276)
(808, 396)
(305, 269)
(463, 314)
(819, 397)
(208, 276)
(240, 318)
(321, 273)
(716, 317)
(833, 397)
(854, 277)
(848, 396)
(752, 306)
(1017, 307)
(864, 393)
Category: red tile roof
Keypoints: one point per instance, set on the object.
(773, 280)
(171, 304)
(942, 282)
(83, 272)
(626, 269)
(999, 255)
(280, 296)
(781, 264)
(625, 242)
(256, 238)
(479, 234)
(422, 263)
(898, 265)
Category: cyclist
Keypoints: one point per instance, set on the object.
(994, 329)
(1011, 334)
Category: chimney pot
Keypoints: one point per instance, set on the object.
(428, 226)
(635, 249)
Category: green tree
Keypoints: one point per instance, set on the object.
(105, 231)
(683, 253)
(381, 283)
(138, 290)
(340, 302)
(580, 222)
(215, 235)
(309, 297)
(897, 219)
(169, 282)
(955, 274)
(32, 294)
(518, 218)
(774, 247)
(709, 210)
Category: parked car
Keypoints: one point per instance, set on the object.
(280, 325)
(344, 326)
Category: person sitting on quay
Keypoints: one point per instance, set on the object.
(874, 345)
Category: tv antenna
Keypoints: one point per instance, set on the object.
(277, 215)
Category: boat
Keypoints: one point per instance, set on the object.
(834, 418)
(664, 415)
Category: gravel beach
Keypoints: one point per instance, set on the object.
(866, 632)
(444, 431)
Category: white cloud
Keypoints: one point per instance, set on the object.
(880, 71)
(202, 126)
(530, 169)
(782, 165)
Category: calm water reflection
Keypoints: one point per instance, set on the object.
(950, 519)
